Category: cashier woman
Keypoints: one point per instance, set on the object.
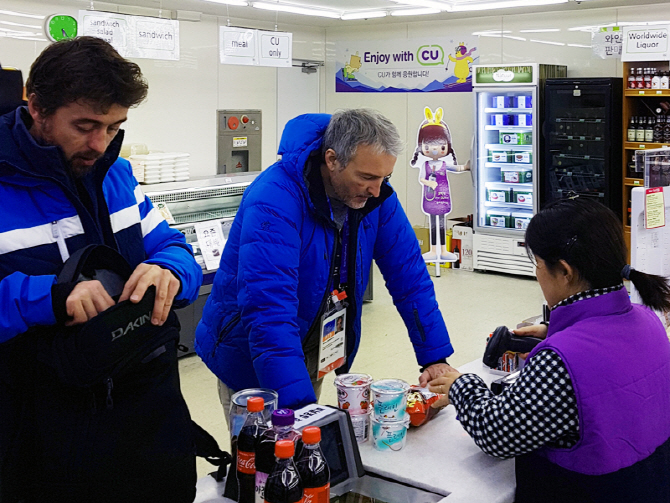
(588, 420)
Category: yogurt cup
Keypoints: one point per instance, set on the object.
(361, 424)
(389, 435)
(390, 399)
(353, 393)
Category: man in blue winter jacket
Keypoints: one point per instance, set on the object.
(63, 187)
(309, 225)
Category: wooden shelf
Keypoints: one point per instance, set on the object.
(633, 182)
(633, 145)
(647, 93)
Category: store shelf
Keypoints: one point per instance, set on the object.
(577, 138)
(580, 157)
(511, 184)
(647, 93)
(633, 182)
(509, 128)
(574, 120)
(494, 146)
(633, 145)
(508, 110)
(521, 206)
(521, 167)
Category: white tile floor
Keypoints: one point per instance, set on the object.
(472, 303)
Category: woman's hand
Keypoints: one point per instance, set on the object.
(442, 385)
(539, 331)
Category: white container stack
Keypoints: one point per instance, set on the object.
(159, 168)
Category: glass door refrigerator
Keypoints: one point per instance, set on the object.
(507, 156)
(583, 132)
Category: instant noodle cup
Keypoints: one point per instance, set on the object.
(353, 393)
(389, 435)
(390, 399)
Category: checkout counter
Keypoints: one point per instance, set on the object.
(208, 199)
(439, 463)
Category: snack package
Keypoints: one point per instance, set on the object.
(419, 401)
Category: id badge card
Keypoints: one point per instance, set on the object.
(332, 341)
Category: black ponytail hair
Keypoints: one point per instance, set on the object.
(416, 156)
(589, 237)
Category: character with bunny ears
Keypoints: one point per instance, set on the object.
(434, 143)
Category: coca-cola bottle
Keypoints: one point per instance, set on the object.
(313, 467)
(282, 429)
(253, 427)
(284, 484)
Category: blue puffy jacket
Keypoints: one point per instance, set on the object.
(276, 267)
(43, 221)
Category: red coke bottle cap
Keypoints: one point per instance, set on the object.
(255, 404)
(284, 449)
(311, 435)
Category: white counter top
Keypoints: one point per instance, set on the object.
(439, 457)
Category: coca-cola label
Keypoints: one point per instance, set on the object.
(261, 480)
(246, 462)
(317, 494)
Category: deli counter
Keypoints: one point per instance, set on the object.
(186, 205)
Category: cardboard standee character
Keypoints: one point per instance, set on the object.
(434, 143)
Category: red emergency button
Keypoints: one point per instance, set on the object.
(233, 123)
(245, 119)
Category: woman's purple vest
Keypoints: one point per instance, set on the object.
(618, 357)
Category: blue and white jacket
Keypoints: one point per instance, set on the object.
(43, 221)
(276, 269)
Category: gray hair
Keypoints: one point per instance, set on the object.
(361, 126)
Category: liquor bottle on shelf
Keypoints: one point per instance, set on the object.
(639, 79)
(656, 79)
(647, 78)
(632, 127)
(632, 84)
(658, 128)
(665, 80)
(641, 126)
(649, 130)
(666, 130)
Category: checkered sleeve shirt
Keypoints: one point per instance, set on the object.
(539, 409)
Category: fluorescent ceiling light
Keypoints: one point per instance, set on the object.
(20, 14)
(19, 32)
(548, 42)
(580, 45)
(506, 4)
(363, 15)
(425, 3)
(241, 3)
(591, 28)
(641, 23)
(414, 12)
(294, 9)
(541, 30)
(9, 23)
(489, 33)
(514, 38)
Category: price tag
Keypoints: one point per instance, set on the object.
(240, 142)
(654, 208)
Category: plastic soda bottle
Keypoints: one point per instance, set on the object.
(282, 429)
(253, 427)
(284, 484)
(313, 467)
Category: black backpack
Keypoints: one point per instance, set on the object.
(97, 413)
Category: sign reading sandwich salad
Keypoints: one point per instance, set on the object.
(646, 43)
(133, 36)
(400, 66)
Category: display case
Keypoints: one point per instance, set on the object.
(654, 164)
(211, 199)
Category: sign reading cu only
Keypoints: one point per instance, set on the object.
(243, 46)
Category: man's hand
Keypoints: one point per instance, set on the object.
(442, 385)
(433, 372)
(87, 299)
(167, 287)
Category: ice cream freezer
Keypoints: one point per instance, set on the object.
(187, 205)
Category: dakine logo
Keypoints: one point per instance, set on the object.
(120, 332)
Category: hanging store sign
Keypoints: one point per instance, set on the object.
(401, 66)
(133, 36)
(608, 42)
(646, 43)
(242, 46)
